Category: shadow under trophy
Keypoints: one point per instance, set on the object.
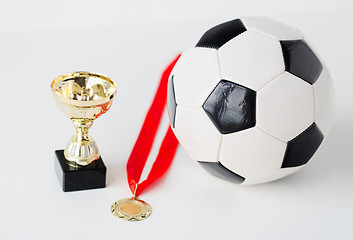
(83, 97)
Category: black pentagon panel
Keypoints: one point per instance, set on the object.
(220, 171)
(301, 61)
(301, 148)
(231, 107)
(171, 103)
(220, 34)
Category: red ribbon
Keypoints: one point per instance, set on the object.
(144, 142)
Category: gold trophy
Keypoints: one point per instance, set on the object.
(83, 97)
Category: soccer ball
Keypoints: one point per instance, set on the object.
(251, 101)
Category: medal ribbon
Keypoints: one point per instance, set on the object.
(144, 142)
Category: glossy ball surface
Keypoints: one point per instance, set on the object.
(250, 101)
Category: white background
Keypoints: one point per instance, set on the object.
(132, 41)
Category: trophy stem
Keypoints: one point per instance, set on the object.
(82, 148)
(82, 129)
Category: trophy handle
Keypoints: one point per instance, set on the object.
(82, 148)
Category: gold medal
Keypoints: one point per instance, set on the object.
(131, 209)
(134, 209)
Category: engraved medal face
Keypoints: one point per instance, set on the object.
(131, 209)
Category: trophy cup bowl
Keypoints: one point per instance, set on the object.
(83, 97)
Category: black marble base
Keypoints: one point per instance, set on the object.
(81, 177)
